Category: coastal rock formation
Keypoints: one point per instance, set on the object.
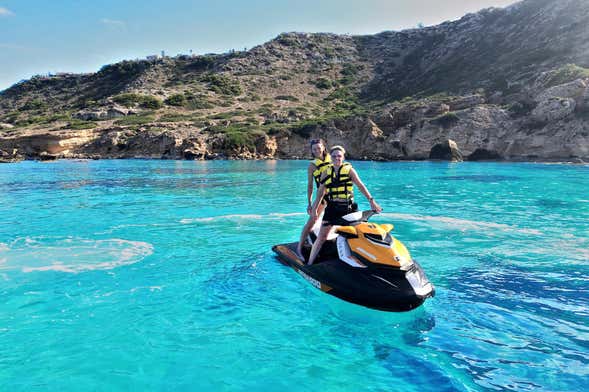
(466, 102)
(575, 90)
(10, 156)
(446, 151)
(481, 154)
(553, 109)
(583, 104)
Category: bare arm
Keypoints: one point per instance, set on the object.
(318, 197)
(310, 182)
(358, 182)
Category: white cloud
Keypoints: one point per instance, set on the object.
(6, 12)
(112, 22)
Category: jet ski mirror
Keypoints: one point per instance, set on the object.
(358, 216)
(387, 227)
(367, 215)
(347, 231)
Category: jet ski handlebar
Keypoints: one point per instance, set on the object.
(359, 216)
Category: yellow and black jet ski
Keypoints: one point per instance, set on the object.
(363, 264)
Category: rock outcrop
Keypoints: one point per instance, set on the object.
(553, 109)
(10, 156)
(446, 151)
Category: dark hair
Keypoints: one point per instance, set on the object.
(312, 142)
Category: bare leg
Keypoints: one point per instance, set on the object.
(304, 234)
(307, 229)
(323, 233)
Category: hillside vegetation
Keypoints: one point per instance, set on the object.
(304, 84)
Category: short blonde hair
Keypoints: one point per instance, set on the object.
(332, 149)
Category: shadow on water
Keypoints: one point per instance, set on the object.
(416, 331)
(553, 203)
(403, 365)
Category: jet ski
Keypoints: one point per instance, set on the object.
(364, 264)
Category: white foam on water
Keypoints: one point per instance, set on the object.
(150, 288)
(72, 255)
(282, 215)
(462, 224)
(272, 215)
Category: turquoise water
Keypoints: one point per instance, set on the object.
(158, 275)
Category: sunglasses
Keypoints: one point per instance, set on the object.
(315, 141)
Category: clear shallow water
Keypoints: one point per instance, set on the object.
(158, 275)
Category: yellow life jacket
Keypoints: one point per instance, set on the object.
(320, 168)
(339, 185)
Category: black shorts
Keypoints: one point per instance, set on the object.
(335, 210)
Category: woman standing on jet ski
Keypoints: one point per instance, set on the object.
(317, 167)
(337, 187)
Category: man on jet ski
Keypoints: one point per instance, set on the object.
(337, 187)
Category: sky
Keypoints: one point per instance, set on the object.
(40, 36)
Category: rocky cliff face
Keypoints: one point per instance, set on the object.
(507, 83)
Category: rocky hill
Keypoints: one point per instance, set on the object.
(506, 83)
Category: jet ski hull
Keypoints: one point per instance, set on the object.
(383, 288)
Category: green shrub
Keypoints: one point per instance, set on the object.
(287, 40)
(447, 119)
(351, 69)
(286, 98)
(202, 62)
(138, 119)
(304, 128)
(226, 103)
(54, 117)
(124, 68)
(197, 102)
(349, 73)
(34, 104)
(329, 52)
(343, 93)
(127, 99)
(238, 135)
(265, 111)
(323, 83)
(222, 84)
(567, 73)
(239, 139)
(79, 124)
(151, 102)
(176, 117)
(176, 100)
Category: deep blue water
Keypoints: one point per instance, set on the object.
(159, 275)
